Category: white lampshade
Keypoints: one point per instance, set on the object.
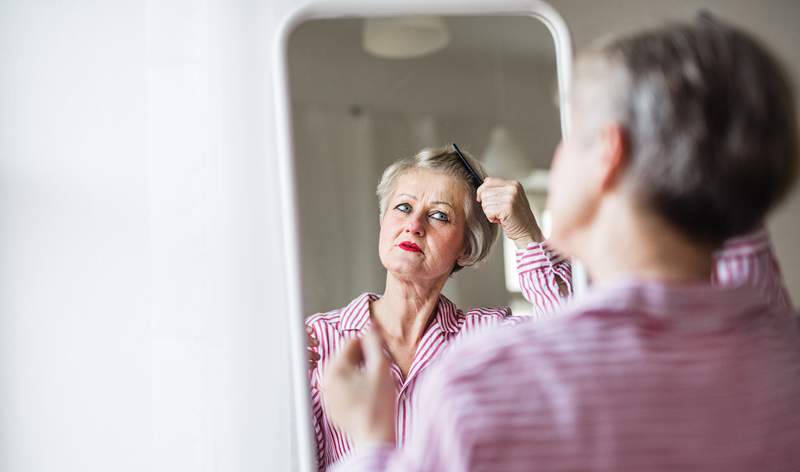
(399, 38)
(504, 157)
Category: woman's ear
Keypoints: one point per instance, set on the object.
(614, 155)
(463, 259)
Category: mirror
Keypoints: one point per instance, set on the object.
(366, 92)
(359, 87)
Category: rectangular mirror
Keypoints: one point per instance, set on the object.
(362, 92)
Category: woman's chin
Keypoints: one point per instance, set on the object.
(412, 267)
(406, 270)
(416, 274)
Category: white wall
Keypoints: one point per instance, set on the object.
(142, 311)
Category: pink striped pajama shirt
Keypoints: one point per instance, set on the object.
(449, 325)
(750, 260)
(637, 376)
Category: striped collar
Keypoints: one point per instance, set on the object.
(355, 316)
(699, 305)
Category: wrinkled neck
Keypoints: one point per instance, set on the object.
(405, 309)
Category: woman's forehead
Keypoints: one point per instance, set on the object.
(429, 185)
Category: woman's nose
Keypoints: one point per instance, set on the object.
(415, 225)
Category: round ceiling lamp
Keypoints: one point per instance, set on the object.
(402, 38)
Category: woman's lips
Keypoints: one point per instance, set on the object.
(409, 246)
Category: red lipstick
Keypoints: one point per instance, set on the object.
(409, 246)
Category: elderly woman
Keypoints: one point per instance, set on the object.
(433, 223)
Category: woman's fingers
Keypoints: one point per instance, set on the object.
(498, 205)
(351, 357)
(504, 202)
(311, 338)
(372, 348)
(490, 184)
(494, 214)
(359, 391)
(313, 358)
(498, 191)
(311, 348)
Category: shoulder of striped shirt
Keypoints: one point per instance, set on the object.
(482, 358)
(753, 242)
(543, 335)
(329, 317)
(497, 312)
(332, 317)
(491, 315)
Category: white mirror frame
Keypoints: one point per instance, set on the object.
(283, 117)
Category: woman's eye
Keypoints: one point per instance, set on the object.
(439, 216)
(404, 207)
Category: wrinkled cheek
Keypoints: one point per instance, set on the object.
(567, 201)
(384, 246)
(387, 232)
(559, 220)
(447, 256)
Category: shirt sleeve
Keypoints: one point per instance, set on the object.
(750, 260)
(318, 419)
(545, 278)
(477, 319)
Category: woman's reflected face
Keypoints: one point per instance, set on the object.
(423, 227)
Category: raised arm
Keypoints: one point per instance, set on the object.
(545, 277)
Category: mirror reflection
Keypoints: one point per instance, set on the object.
(399, 228)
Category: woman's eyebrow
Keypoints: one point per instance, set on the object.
(438, 202)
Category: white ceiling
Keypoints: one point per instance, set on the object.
(496, 70)
(515, 37)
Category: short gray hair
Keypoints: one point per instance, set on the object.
(480, 234)
(710, 122)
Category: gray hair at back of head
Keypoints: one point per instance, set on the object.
(710, 122)
(480, 234)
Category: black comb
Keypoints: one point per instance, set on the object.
(476, 178)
